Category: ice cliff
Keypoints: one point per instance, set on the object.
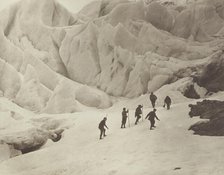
(56, 62)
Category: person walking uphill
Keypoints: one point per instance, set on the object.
(151, 117)
(124, 117)
(102, 126)
(153, 99)
(167, 102)
(138, 113)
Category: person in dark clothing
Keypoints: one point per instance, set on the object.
(102, 126)
(138, 113)
(151, 117)
(153, 99)
(124, 117)
(167, 102)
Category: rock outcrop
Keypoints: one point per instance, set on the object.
(212, 77)
(213, 111)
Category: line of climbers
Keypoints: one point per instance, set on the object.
(151, 116)
(167, 101)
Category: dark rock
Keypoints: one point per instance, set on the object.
(207, 109)
(214, 127)
(209, 75)
(212, 77)
(191, 93)
(177, 168)
(212, 110)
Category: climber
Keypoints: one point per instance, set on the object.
(102, 126)
(153, 99)
(151, 117)
(167, 102)
(138, 113)
(124, 117)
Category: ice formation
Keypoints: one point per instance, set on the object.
(123, 48)
(55, 64)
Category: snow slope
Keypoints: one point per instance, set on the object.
(53, 62)
(169, 149)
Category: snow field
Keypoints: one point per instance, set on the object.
(135, 150)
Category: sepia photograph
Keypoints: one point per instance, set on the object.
(111, 87)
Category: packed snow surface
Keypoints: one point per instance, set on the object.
(169, 149)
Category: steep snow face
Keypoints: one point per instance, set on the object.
(124, 12)
(91, 10)
(32, 20)
(9, 80)
(159, 16)
(107, 6)
(200, 21)
(126, 58)
(69, 97)
(31, 66)
(119, 48)
(124, 48)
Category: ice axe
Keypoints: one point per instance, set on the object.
(106, 118)
(142, 112)
(128, 119)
